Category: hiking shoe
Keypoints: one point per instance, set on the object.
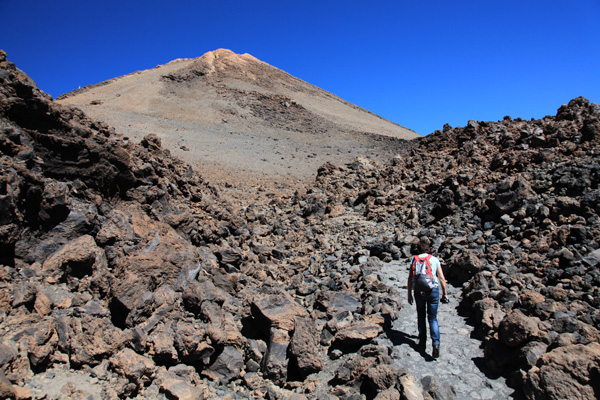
(436, 352)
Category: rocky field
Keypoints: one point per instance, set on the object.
(124, 274)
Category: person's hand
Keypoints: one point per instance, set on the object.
(410, 298)
(445, 299)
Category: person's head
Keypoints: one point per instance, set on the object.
(422, 247)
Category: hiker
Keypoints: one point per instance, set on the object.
(425, 278)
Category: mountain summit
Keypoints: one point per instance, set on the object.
(236, 114)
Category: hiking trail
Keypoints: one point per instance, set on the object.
(461, 362)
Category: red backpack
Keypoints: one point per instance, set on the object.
(423, 280)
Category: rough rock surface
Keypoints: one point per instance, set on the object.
(124, 274)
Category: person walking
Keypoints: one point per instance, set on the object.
(424, 280)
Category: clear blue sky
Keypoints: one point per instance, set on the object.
(418, 63)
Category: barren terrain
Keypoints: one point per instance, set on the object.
(127, 274)
(238, 118)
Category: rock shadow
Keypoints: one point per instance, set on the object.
(480, 363)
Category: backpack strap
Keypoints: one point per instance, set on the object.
(412, 266)
(427, 263)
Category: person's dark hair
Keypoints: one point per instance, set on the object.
(422, 247)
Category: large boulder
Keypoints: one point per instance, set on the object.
(160, 258)
(90, 340)
(190, 342)
(304, 347)
(571, 372)
(352, 370)
(76, 260)
(136, 368)
(410, 388)
(228, 365)
(516, 329)
(179, 389)
(360, 331)
(275, 362)
(275, 308)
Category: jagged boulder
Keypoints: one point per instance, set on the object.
(276, 309)
(517, 329)
(566, 372)
(360, 331)
(228, 365)
(304, 347)
(135, 367)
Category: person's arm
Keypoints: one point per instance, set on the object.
(409, 283)
(442, 280)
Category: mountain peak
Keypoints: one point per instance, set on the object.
(226, 61)
(228, 54)
(252, 116)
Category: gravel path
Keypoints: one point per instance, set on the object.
(461, 359)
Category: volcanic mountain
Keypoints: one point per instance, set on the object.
(124, 274)
(236, 114)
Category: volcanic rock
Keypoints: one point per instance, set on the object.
(566, 372)
(276, 309)
(119, 261)
(304, 348)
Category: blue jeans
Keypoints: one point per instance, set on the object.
(427, 304)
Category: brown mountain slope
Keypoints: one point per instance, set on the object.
(238, 117)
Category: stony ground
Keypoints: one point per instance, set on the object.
(125, 273)
(461, 357)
